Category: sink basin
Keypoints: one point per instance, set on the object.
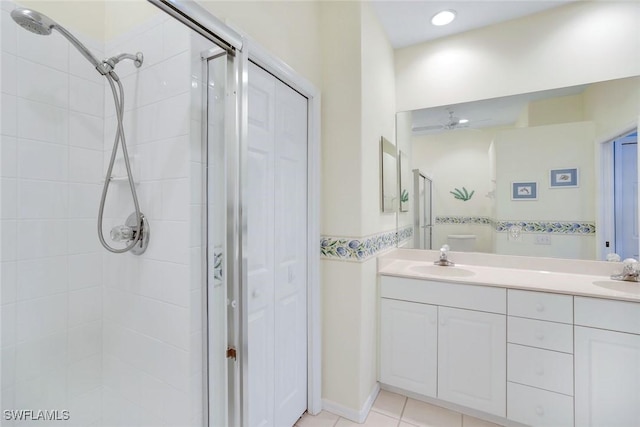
(616, 285)
(436, 270)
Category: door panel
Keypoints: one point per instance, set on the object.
(277, 229)
(290, 252)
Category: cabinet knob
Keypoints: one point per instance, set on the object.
(540, 410)
(256, 293)
(540, 336)
(539, 308)
(540, 371)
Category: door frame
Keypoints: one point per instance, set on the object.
(254, 52)
(605, 201)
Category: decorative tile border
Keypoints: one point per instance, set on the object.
(348, 249)
(480, 220)
(556, 227)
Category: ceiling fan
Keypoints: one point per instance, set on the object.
(452, 123)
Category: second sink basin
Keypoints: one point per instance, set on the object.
(620, 286)
(436, 270)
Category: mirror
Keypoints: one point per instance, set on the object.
(389, 178)
(477, 154)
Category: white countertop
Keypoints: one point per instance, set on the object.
(599, 286)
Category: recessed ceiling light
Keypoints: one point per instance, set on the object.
(463, 121)
(443, 17)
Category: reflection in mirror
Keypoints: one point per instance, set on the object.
(389, 179)
(405, 178)
(476, 154)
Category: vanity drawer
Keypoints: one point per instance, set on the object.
(540, 305)
(537, 407)
(540, 333)
(472, 297)
(622, 316)
(544, 369)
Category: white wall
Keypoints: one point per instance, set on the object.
(582, 42)
(613, 106)
(51, 150)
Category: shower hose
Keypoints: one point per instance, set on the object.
(118, 100)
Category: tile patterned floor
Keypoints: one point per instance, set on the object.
(395, 410)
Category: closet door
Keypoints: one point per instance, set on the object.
(277, 230)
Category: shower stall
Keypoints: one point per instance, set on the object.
(113, 334)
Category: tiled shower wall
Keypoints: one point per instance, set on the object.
(116, 339)
(51, 169)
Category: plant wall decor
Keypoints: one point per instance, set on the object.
(463, 194)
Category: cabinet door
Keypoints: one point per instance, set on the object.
(408, 340)
(472, 359)
(607, 378)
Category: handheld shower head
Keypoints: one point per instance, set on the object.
(33, 21)
(43, 25)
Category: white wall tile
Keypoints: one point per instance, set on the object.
(82, 236)
(86, 409)
(9, 33)
(8, 325)
(8, 368)
(84, 375)
(9, 198)
(9, 115)
(9, 74)
(165, 159)
(9, 156)
(86, 96)
(170, 242)
(165, 281)
(85, 306)
(41, 160)
(165, 119)
(84, 200)
(197, 176)
(42, 122)
(42, 391)
(196, 265)
(164, 80)
(86, 131)
(50, 235)
(9, 241)
(42, 84)
(84, 340)
(85, 271)
(85, 165)
(39, 356)
(52, 51)
(41, 277)
(176, 38)
(175, 200)
(37, 318)
(8, 282)
(150, 199)
(43, 199)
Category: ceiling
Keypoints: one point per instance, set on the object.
(487, 113)
(408, 22)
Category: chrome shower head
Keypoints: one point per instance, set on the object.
(43, 25)
(33, 21)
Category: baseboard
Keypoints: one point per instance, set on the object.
(357, 416)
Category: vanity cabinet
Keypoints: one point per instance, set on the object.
(445, 340)
(607, 363)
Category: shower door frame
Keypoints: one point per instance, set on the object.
(243, 49)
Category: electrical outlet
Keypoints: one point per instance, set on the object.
(543, 239)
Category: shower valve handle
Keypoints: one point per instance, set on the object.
(122, 233)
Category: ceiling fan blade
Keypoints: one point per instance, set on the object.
(427, 128)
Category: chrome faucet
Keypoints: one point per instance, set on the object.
(444, 257)
(630, 271)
